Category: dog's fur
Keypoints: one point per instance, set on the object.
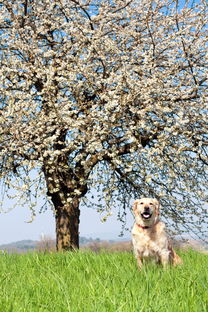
(148, 235)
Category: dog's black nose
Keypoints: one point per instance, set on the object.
(146, 208)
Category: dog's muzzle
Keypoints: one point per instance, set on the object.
(146, 214)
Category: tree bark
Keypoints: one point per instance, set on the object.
(67, 226)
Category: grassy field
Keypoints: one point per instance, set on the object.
(89, 282)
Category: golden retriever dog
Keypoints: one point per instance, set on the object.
(148, 235)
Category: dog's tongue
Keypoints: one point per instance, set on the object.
(146, 215)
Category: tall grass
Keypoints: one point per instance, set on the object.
(89, 282)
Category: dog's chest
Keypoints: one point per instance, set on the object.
(145, 245)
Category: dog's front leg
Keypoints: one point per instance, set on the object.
(165, 259)
(139, 262)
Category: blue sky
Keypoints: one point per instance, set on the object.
(14, 225)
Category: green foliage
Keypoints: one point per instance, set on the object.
(89, 282)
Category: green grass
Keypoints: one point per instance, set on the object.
(87, 282)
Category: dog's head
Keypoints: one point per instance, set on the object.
(146, 211)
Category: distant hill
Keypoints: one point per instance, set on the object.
(97, 244)
(20, 246)
(30, 245)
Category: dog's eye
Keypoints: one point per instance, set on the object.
(151, 204)
(141, 203)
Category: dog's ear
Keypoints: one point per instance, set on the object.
(134, 207)
(157, 204)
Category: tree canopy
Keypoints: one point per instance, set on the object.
(108, 96)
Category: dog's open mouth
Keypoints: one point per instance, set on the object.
(146, 215)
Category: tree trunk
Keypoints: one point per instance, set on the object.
(67, 226)
(61, 184)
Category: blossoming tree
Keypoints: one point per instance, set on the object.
(108, 96)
